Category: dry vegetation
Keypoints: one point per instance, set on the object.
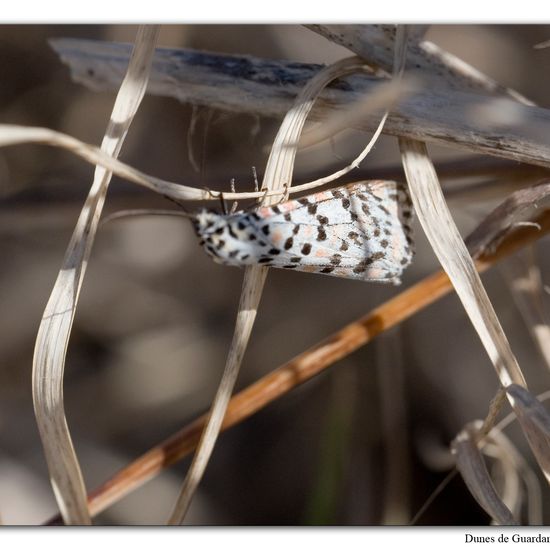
(130, 348)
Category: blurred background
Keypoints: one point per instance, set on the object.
(156, 315)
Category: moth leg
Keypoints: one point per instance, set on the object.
(223, 204)
(286, 193)
(260, 200)
(233, 190)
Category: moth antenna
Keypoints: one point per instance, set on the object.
(286, 193)
(261, 200)
(233, 190)
(255, 176)
(180, 204)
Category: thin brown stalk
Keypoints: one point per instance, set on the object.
(300, 369)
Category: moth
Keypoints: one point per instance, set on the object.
(359, 231)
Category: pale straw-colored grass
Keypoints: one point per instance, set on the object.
(278, 177)
(434, 217)
(55, 328)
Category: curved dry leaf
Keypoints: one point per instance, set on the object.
(55, 327)
(524, 280)
(521, 206)
(473, 470)
(535, 423)
(443, 235)
(497, 445)
(278, 176)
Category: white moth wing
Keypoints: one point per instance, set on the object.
(361, 231)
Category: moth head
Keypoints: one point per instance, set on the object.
(207, 222)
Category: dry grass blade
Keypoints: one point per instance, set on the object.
(251, 293)
(16, 135)
(535, 423)
(382, 98)
(302, 368)
(472, 467)
(453, 255)
(53, 335)
(515, 469)
(524, 280)
(386, 97)
(278, 176)
(521, 207)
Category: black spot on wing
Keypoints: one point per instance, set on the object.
(384, 209)
(362, 266)
(212, 250)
